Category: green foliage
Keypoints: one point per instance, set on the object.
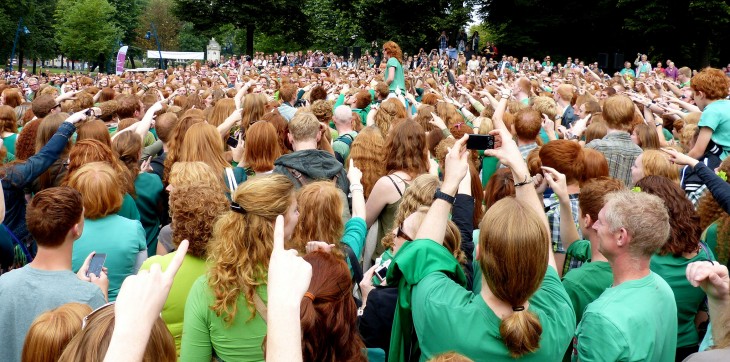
(690, 32)
(190, 40)
(127, 15)
(168, 26)
(40, 43)
(85, 29)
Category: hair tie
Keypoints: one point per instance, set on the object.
(518, 308)
(458, 125)
(309, 295)
(235, 207)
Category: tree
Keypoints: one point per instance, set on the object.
(127, 16)
(85, 29)
(167, 24)
(267, 16)
(39, 43)
(191, 40)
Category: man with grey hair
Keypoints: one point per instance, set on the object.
(635, 319)
(343, 123)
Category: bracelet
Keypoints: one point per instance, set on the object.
(528, 180)
(444, 196)
(356, 187)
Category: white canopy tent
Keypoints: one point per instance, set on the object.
(154, 54)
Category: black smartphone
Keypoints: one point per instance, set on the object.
(95, 265)
(232, 141)
(451, 77)
(480, 142)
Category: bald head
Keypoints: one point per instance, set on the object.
(343, 114)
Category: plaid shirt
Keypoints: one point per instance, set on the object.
(620, 153)
(553, 216)
(696, 195)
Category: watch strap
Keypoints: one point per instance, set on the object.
(444, 196)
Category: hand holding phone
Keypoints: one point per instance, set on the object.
(480, 142)
(96, 264)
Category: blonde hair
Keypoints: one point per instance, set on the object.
(98, 184)
(513, 259)
(304, 126)
(92, 342)
(419, 193)
(240, 248)
(186, 173)
(51, 331)
(656, 163)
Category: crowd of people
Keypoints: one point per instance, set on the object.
(411, 208)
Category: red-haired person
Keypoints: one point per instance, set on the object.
(394, 69)
(709, 90)
(567, 158)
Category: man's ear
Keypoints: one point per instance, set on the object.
(291, 139)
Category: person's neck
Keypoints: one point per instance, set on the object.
(614, 130)
(563, 104)
(521, 142)
(54, 259)
(343, 128)
(592, 236)
(627, 268)
(501, 308)
(573, 189)
(164, 147)
(305, 145)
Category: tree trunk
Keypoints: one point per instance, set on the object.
(250, 28)
(34, 64)
(131, 60)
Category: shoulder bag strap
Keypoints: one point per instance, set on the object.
(231, 178)
(260, 306)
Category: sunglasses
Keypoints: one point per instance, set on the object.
(85, 321)
(401, 234)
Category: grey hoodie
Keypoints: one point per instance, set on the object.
(314, 165)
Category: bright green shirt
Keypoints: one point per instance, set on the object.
(710, 238)
(149, 198)
(399, 80)
(447, 317)
(129, 208)
(688, 298)
(174, 309)
(205, 332)
(9, 142)
(634, 321)
(121, 239)
(586, 284)
(716, 116)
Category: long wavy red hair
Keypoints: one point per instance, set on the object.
(320, 216)
(405, 149)
(329, 318)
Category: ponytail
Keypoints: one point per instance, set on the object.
(521, 333)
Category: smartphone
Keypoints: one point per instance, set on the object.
(381, 272)
(95, 265)
(232, 141)
(480, 142)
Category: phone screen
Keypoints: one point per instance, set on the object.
(96, 263)
(480, 142)
(232, 141)
(382, 273)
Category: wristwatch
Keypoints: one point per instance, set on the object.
(443, 196)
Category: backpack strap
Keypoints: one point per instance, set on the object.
(346, 139)
(260, 306)
(297, 175)
(354, 263)
(231, 179)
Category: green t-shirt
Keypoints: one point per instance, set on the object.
(121, 239)
(129, 208)
(586, 284)
(634, 321)
(448, 317)
(716, 116)
(9, 142)
(688, 298)
(709, 237)
(205, 332)
(399, 80)
(174, 309)
(149, 197)
(340, 146)
(489, 167)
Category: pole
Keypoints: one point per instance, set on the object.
(15, 42)
(159, 49)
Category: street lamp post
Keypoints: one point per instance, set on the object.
(157, 40)
(15, 42)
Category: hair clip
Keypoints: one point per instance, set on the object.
(235, 207)
(636, 189)
(722, 175)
